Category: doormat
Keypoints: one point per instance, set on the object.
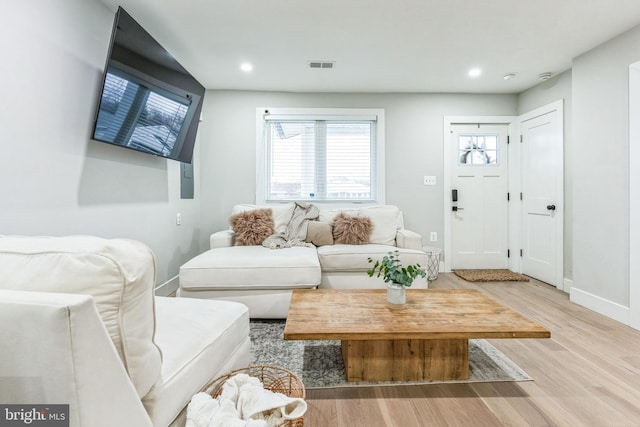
(491, 276)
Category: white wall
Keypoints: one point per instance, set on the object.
(413, 147)
(554, 89)
(601, 175)
(54, 180)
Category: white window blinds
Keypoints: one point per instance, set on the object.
(327, 158)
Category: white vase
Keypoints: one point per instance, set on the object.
(396, 294)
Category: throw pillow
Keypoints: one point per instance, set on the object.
(252, 227)
(319, 233)
(351, 230)
(386, 220)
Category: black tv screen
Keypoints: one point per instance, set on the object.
(148, 102)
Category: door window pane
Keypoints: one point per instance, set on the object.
(478, 149)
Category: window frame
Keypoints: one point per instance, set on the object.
(318, 114)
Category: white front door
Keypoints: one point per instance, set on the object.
(542, 192)
(479, 216)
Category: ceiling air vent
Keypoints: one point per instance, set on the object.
(322, 64)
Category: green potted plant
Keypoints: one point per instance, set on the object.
(397, 277)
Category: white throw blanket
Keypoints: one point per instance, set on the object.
(243, 403)
(296, 230)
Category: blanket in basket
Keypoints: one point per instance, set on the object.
(244, 402)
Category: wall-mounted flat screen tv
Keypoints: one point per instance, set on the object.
(148, 101)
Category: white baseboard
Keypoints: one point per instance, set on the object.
(167, 288)
(567, 284)
(600, 305)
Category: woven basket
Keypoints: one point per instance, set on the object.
(274, 378)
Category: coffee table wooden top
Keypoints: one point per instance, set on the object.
(364, 314)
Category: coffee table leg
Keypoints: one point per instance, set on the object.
(406, 360)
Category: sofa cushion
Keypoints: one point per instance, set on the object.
(355, 257)
(319, 233)
(329, 215)
(252, 267)
(386, 219)
(351, 230)
(252, 227)
(120, 276)
(197, 338)
(281, 213)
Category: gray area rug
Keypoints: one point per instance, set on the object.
(319, 363)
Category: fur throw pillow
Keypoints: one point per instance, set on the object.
(351, 230)
(252, 227)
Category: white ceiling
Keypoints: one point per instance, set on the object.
(379, 45)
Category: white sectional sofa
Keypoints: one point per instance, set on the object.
(80, 325)
(263, 278)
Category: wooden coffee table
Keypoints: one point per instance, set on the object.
(426, 339)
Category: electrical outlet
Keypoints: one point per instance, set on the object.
(429, 180)
(178, 218)
(433, 236)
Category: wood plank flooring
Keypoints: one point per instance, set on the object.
(587, 374)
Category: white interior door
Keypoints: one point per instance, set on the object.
(479, 180)
(542, 194)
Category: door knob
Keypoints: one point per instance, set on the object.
(551, 207)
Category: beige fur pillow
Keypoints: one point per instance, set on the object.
(252, 227)
(319, 233)
(351, 230)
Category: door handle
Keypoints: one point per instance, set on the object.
(551, 207)
(456, 209)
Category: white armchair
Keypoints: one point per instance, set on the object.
(79, 325)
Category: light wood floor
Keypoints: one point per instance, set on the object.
(587, 374)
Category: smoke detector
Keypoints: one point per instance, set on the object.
(544, 76)
(321, 64)
(509, 76)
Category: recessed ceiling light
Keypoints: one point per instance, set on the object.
(246, 67)
(544, 76)
(475, 72)
(509, 76)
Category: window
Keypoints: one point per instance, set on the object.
(478, 149)
(320, 155)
